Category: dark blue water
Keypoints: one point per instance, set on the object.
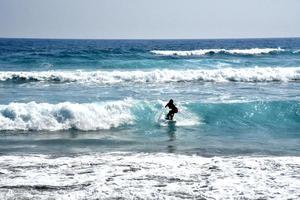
(235, 97)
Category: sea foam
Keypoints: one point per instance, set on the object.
(62, 116)
(256, 74)
(201, 52)
(148, 176)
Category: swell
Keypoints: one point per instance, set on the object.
(257, 74)
(113, 114)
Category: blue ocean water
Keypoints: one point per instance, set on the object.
(100, 105)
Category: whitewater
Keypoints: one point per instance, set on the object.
(84, 119)
(150, 176)
(257, 74)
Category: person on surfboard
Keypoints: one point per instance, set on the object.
(173, 110)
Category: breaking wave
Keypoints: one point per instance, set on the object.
(200, 52)
(86, 116)
(45, 116)
(142, 114)
(257, 74)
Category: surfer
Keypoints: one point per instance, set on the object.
(173, 110)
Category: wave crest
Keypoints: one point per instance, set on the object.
(201, 52)
(62, 116)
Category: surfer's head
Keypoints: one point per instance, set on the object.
(171, 101)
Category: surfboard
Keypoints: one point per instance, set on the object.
(161, 119)
(170, 121)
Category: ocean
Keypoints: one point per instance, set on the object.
(83, 119)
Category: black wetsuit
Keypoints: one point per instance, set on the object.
(173, 110)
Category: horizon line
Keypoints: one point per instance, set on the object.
(237, 38)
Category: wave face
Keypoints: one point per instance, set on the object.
(201, 52)
(258, 74)
(245, 115)
(156, 175)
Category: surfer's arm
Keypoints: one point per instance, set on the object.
(167, 105)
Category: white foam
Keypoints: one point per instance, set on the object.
(201, 52)
(45, 116)
(256, 74)
(148, 176)
(296, 51)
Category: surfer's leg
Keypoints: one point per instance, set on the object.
(171, 115)
(168, 115)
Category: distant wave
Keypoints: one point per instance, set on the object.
(257, 74)
(200, 52)
(296, 51)
(86, 116)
